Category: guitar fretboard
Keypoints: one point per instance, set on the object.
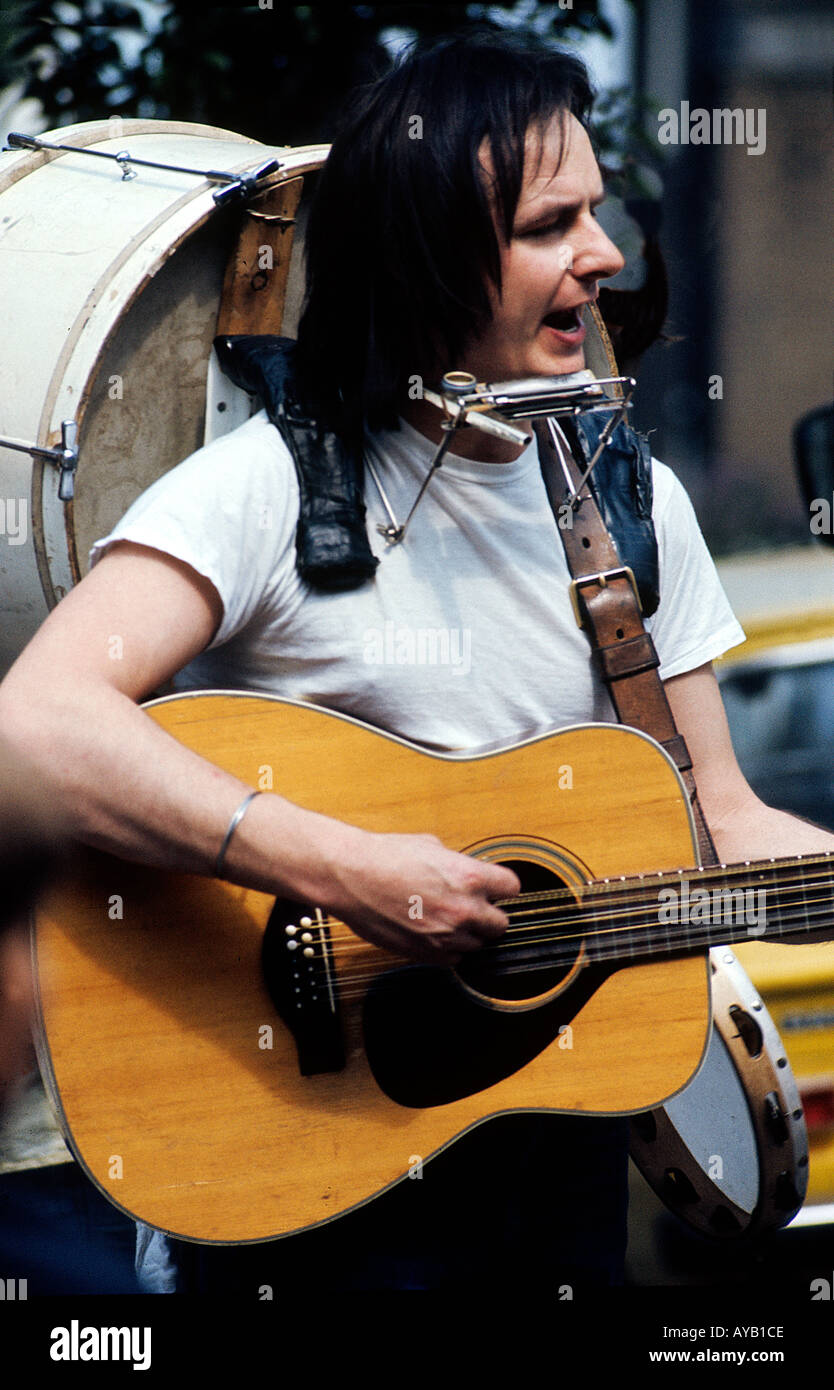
(665, 914)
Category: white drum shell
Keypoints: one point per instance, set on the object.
(111, 289)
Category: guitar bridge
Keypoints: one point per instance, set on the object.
(298, 972)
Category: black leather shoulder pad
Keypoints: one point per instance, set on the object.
(331, 540)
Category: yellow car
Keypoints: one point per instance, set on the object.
(779, 694)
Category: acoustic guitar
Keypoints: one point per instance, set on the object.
(230, 1067)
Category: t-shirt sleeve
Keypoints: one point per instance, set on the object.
(694, 622)
(229, 511)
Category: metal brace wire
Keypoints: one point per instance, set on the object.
(396, 531)
(574, 498)
(235, 185)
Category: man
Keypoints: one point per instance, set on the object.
(474, 245)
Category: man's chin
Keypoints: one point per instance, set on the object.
(566, 366)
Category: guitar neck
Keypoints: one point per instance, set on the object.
(693, 909)
(632, 919)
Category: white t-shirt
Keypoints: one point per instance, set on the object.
(466, 634)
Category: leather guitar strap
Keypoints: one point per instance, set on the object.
(607, 608)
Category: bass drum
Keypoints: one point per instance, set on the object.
(729, 1153)
(111, 280)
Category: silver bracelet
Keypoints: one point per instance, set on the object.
(233, 825)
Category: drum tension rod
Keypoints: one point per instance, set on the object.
(65, 456)
(236, 185)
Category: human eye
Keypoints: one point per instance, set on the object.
(545, 229)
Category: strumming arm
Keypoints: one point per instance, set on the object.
(128, 787)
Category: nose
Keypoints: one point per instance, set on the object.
(596, 257)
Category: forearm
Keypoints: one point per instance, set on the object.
(129, 788)
(748, 829)
(126, 786)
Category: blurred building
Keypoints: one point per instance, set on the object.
(748, 244)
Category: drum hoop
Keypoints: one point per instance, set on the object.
(782, 1162)
(768, 1073)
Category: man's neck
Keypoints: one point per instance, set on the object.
(468, 443)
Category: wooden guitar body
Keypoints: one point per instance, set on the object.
(176, 1064)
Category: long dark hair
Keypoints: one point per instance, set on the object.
(401, 242)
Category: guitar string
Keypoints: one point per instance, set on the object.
(625, 888)
(637, 901)
(777, 871)
(594, 894)
(348, 937)
(354, 986)
(635, 891)
(661, 940)
(693, 941)
(634, 898)
(590, 914)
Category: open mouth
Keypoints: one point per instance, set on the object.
(565, 320)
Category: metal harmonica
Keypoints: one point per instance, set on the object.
(490, 405)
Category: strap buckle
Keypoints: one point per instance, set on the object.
(602, 578)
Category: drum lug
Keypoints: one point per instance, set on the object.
(64, 455)
(67, 460)
(246, 186)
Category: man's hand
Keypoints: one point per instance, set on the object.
(413, 896)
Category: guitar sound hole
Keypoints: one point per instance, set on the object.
(539, 949)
